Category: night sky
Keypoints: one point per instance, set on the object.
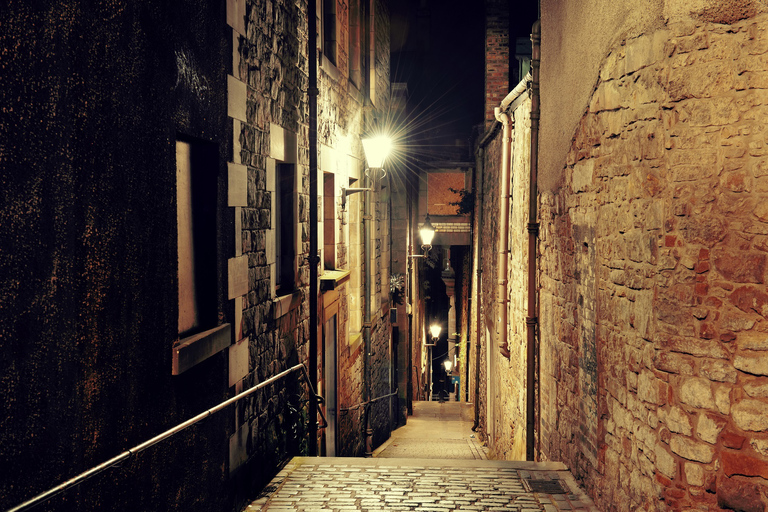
(438, 49)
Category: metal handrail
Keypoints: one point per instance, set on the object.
(346, 409)
(40, 498)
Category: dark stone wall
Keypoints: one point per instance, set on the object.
(271, 61)
(93, 98)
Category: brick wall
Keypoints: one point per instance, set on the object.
(653, 329)
(496, 55)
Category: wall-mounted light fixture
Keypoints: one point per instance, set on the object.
(434, 330)
(448, 365)
(348, 191)
(427, 234)
(376, 147)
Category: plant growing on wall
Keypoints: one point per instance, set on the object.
(466, 202)
(396, 288)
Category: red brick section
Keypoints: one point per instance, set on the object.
(439, 192)
(496, 55)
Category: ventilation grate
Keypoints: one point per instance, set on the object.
(268, 490)
(545, 486)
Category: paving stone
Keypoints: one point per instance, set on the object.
(387, 483)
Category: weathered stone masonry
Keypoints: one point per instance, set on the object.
(269, 127)
(504, 407)
(653, 273)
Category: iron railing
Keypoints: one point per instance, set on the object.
(361, 404)
(45, 496)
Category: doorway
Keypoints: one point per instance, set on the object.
(329, 371)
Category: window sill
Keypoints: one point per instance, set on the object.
(330, 68)
(283, 305)
(331, 279)
(193, 350)
(355, 92)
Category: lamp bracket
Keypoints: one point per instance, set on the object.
(347, 191)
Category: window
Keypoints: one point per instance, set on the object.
(372, 51)
(196, 166)
(355, 57)
(285, 228)
(329, 221)
(329, 30)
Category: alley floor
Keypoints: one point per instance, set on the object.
(434, 463)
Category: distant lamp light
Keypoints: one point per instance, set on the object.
(427, 233)
(435, 329)
(448, 365)
(376, 148)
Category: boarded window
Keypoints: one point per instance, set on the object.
(196, 166)
(285, 228)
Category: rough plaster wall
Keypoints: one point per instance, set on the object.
(93, 98)
(654, 260)
(575, 38)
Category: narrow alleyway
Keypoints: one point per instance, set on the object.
(434, 463)
(435, 431)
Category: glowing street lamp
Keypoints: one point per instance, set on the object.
(435, 329)
(448, 365)
(376, 148)
(427, 233)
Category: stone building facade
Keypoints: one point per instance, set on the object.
(503, 369)
(158, 171)
(651, 278)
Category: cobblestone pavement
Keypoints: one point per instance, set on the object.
(341, 484)
(435, 431)
(432, 464)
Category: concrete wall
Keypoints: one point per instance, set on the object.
(653, 249)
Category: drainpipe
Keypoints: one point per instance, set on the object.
(367, 313)
(532, 408)
(313, 258)
(502, 255)
(476, 304)
(367, 302)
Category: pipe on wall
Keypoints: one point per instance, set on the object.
(503, 251)
(367, 219)
(313, 242)
(532, 407)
